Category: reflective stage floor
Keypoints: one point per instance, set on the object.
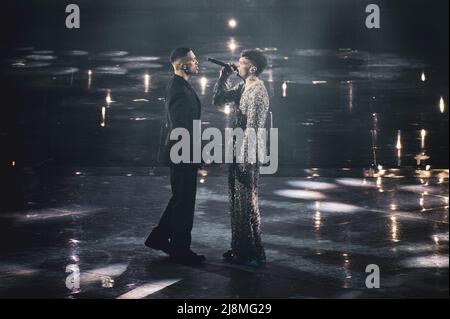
(80, 130)
(320, 233)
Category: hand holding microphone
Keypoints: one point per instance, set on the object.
(227, 68)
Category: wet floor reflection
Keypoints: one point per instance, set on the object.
(103, 123)
(232, 45)
(423, 135)
(146, 82)
(318, 228)
(347, 271)
(108, 98)
(89, 79)
(399, 147)
(203, 83)
(284, 88)
(374, 123)
(374, 132)
(394, 229)
(309, 239)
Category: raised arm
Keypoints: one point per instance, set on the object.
(223, 92)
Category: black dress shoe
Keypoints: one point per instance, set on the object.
(202, 258)
(187, 258)
(229, 257)
(163, 245)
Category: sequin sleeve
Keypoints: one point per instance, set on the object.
(255, 106)
(224, 93)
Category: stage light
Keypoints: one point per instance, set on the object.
(232, 23)
(227, 110)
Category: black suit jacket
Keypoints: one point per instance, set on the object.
(182, 107)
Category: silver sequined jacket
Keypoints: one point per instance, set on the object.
(250, 106)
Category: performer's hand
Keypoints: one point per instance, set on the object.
(226, 72)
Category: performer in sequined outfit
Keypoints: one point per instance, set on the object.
(250, 105)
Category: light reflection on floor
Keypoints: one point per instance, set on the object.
(315, 247)
(320, 228)
(336, 115)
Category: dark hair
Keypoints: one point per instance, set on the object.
(179, 53)
(257, 58)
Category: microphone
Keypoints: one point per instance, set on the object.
(223, 64)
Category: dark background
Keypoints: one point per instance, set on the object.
(40, 114)
(407, 26)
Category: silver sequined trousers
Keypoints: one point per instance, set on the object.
(245, 215)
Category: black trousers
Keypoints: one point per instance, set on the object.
(178, 218)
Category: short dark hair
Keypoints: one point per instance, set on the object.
(257, 58)
(179, 53)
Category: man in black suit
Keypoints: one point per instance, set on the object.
(173, 233)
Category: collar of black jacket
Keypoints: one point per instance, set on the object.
(181, 80)
(176, 77)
